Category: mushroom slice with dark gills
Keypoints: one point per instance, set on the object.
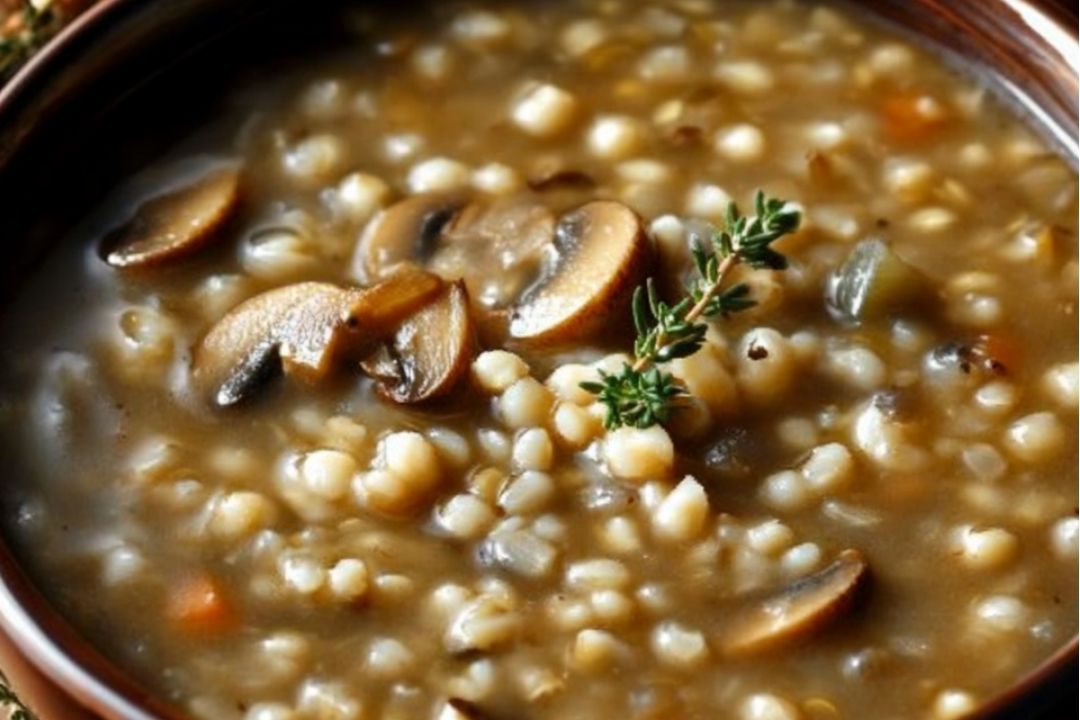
(430, 352)
(174, 226)
(303, 330)
(602, 254)
(497, 247)
(406, 232)
(805, 606)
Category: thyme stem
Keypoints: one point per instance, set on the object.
(641, 394)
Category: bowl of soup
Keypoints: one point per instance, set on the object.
(505, 360)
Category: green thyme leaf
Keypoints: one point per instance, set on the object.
(641, 395)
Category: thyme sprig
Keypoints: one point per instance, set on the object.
(641, 394)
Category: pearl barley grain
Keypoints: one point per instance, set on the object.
(1035, 438)
(525, 404)
(740, 143)
(678, 646)
(765, 706)
(438, 174)
(639, 454)
(614, 137)
(544, 111)
(681, 515)
(496, 370)
(952, 704)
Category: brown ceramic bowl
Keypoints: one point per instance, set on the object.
(146, 70)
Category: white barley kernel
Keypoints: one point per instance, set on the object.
(801, 559)
(348, 579)
(599, 574)
(765, 706)
(241, 513)
(676, 645)
(596, 650)
(314, 158)
(952, 704)
(682, 514)
(1064, 538)
(544, 111)
(829, 468)
(438, 174)
(639, 454)
(620, 535)
(533, 450)
(614, 137)
(574, 425)
(360, 195)
(582, 36)
(525, 404)
(746, 77)
(1061, 383)
(740, 143)
(328, 473)
(611, 607)
(465, 516)
(528, 493)
(666, 64)
(389, 658)
(1035, 438)
(707, 200)
(480, 29)
(986, 548)
(1002, 613)
(496, 179)
(770, 538)
(496, 370)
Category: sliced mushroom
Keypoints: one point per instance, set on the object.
(804, 607)
(407, 231)
(301, 330)
(173, 226)
(498, 249)
(602, 255)
(430, 352)
(460, 709)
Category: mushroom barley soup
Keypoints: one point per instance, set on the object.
(314, 443)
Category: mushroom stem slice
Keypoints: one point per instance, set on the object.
(302, 330)
(806, 606)
(430, 352)
(602, 254)
(175, 225)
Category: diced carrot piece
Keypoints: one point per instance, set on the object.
(198, 605)
(912, 117)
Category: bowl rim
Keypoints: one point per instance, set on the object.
(53, 646)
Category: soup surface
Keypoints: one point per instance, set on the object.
(399, 501)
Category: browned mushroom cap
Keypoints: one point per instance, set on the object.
(603, 253)
(430, 352)
(173, 226)
(407, 231)
(805, 606)
(302, 329)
